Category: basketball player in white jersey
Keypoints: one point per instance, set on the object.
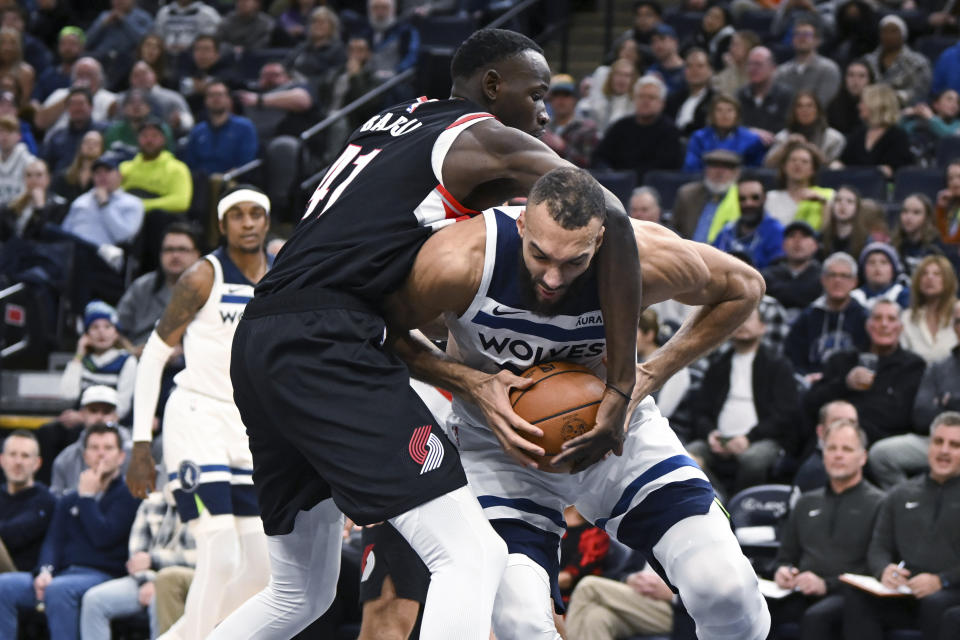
(519, 288)
(205, 448)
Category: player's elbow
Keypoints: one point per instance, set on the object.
(753, 286)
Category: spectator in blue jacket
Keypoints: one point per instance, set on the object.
(85, 545)
(25, 505)
(223, 141)
(946, 73)
(754, 233)
(724, 132)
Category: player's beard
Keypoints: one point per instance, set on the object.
(528, 290)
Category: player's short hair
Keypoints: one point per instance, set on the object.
(102, 427)
(573, 197)
(486, 47)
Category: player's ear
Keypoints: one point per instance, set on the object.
(490, 84)
(521, 223)
(600, 236)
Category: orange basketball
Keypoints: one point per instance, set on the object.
(563, 402)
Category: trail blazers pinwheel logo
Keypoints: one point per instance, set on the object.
(426, 449)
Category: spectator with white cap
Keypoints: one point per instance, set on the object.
(895, 63)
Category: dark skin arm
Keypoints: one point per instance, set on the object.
(189, 294)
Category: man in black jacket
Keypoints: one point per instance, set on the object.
(916, 545)
(747, 409)
(25, 506)
(880, 382)
(827, 534)
(795, 280)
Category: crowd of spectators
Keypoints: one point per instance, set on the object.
(116, 119)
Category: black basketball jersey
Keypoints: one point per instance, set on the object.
(377, 203)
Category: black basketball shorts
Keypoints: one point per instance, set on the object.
(330, 413)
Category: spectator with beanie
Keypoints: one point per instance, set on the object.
(882, 277)
(896, 64)
(85, 545)
(572, 137)
(26, 506)
(795, 280)
(70, 43)
(98, 360)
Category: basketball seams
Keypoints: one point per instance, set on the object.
(523, 392)
(565, 412)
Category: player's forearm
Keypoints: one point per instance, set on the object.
(429, 364)
(618, 278)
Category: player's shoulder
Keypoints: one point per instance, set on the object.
(491, 137)
(198, 277)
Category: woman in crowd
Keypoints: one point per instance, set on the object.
(77, 178)
(152, 51)
(948, 205)
(879, 141)
(843, 114)
(927, 324)
(713, 36)
(25, 215)
(613, 100)
(12, 63)
(798, 197)
(806, 122)
(846, 228)
(915, 235)
(723, 131)
(734, 73)
(321, 55)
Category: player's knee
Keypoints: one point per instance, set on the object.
(519, 623)
(720, 588)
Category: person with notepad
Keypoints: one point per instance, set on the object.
(916, 543)
(826, 534)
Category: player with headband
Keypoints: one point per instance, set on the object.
(205, 447)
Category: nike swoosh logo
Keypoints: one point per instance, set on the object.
(498, 311)
(814, 513)
(911, 505)
(239, 289)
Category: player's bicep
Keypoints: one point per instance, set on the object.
(189, 294)
(672, 268)
(728, 278)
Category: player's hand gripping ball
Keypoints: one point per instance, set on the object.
(563, 402)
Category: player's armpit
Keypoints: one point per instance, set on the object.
(189, 294)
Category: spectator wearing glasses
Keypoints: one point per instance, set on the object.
(754, 233)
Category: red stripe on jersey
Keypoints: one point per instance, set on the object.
(446, 394)
(451, 207)
(472, 116)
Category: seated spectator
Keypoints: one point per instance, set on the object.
(223, 141)
(99, 360)
(832, 322)
(605, 609)
(395, 42)
(70, 43)
(895, 458)
(880, 381)
(845, 228)
(746, 410)
(155, 176)
(827, 534)
(280, 105)
(915, 237)
(179, 23)
(647, 139)
(811, 474)
(627, 49)
(927, 124)
(294, 20)
(897, 65)
(667, 61)
(85, 545)
(77, 178)
(205, 65)
(583, 552)
(647, 16)
(172, 585)
(14, 159)
(151, 50)
(644, 204)
(158, 539)
(87, 74)
(927, 323)
(134, 110)
(60, 145)
(735, 73)
(946, 72)
(855, 31)
(572, 138)
(47, 19)
(843, 114)
(246, 27)
(806, 122)
(754, 233)
(723, 131)
(808, 70)
(613, 100)
(144, 301)
(354, 79)
(37, 205)
(702, 208)
(169, 105)
(798, 197)
(713, 36)
(105, 215)
(26, 506)
(8, 108)
(118, 31)
(879, 141)
(795, 279)
(322, 53)
(36, 52)
(764, 103)
(948, 205)
(13, 64)
(883, 278)
(914, 545)
(691, 106)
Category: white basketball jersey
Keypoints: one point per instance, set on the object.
(208, 340)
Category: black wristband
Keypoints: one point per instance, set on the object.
(618, 392)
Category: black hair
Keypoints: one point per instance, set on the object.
(573, 197)
(240, 187)
(653, 4)
(102, 427)
(189, 229)
(206, 36)
(82, 91)
(486, 47)
(751, 176)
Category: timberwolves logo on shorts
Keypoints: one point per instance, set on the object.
(426, 448)
(189, 474)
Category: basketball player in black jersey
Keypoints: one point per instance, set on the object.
(334, 425)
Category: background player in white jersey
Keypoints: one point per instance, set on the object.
(205, 448)
(516, 288)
